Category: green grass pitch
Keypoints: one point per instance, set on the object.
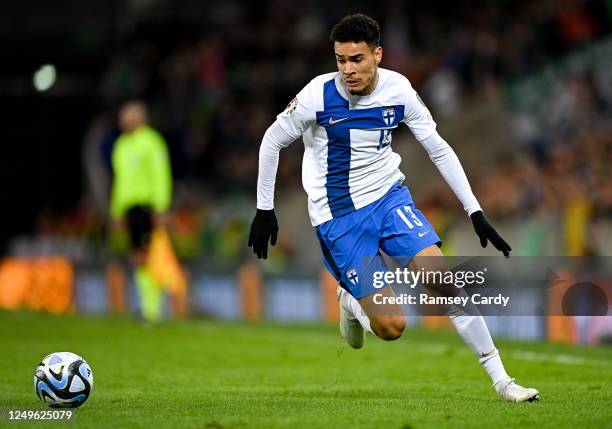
(209, 374)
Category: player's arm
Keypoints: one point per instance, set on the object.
(289, 125)
(444, 157)
(264, 227)
(447, 162)
(161, 174)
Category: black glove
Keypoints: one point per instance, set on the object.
(485, 232)
(263, 228)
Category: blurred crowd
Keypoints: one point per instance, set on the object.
(215, 82)
(215, 75)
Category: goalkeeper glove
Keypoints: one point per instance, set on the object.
(485, 232)
(263, 228)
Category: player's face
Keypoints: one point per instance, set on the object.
(358, 63)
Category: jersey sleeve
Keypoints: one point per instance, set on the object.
(299, 114)
(161, 174)
(417, 116)
(273, 141)
(447, 163)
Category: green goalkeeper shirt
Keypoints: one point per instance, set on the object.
(141, 170)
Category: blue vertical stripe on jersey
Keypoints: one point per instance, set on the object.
(338, 152)
(338, 120)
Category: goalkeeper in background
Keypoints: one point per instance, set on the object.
(141, 195)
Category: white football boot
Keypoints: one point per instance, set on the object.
(350, 328)
(508, 390)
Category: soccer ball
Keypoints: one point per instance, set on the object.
(63, 380)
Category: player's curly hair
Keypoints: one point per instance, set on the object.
(356, 28)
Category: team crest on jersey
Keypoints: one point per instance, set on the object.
(388, 115)
(352, 276)
(291, 106)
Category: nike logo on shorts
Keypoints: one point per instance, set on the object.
(333, 121)
(422, 234)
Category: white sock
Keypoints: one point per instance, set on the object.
(492, 363)
(475, 333)
(356, 311)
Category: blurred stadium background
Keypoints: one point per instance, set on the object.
(521, 89)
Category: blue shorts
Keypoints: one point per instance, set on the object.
(352, 243)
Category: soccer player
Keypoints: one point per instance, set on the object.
(355, 198)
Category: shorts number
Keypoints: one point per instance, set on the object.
(415, 219)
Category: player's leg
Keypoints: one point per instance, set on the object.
(472, 329)
(350, 247)
(140, 225)
(410, 238)
(474, 332)
(387, 321)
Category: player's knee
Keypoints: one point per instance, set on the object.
(389, 328)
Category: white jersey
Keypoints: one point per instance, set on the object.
(348, 161)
